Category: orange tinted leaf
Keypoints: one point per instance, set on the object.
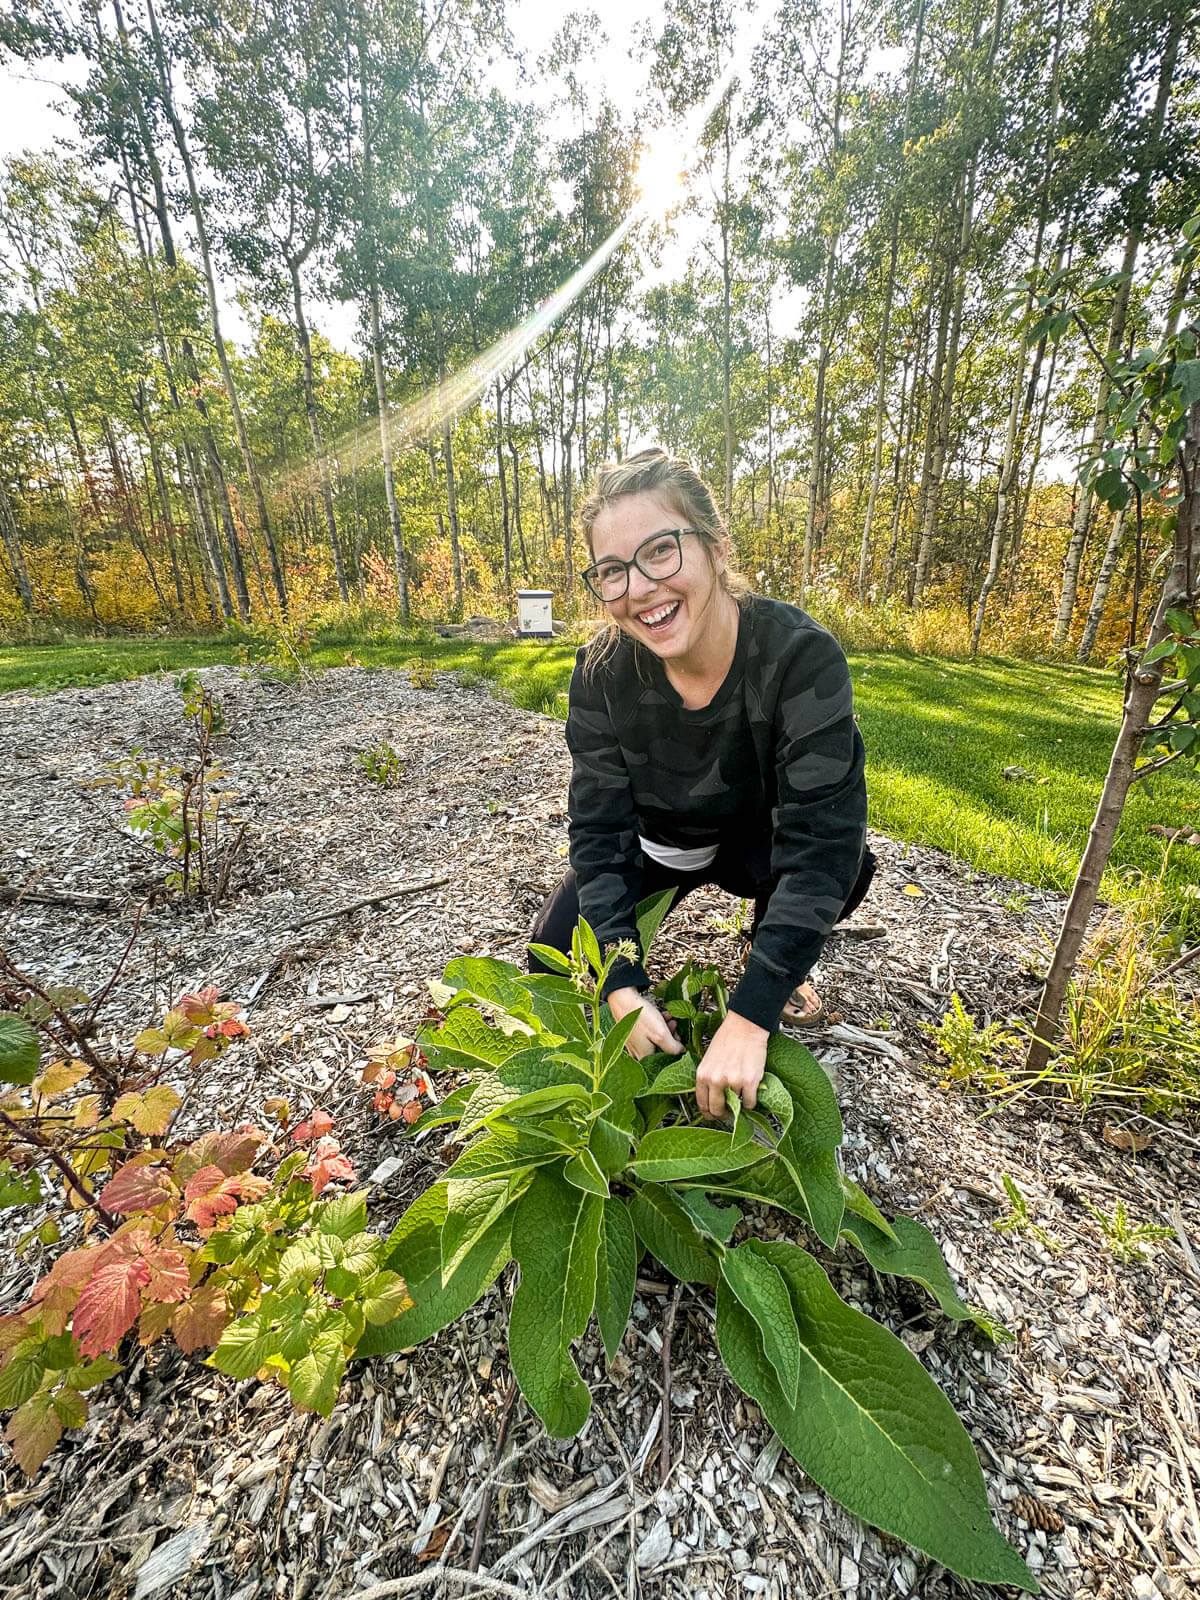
(139, 1186)
(150, 1112)
(315, 1127)
(109, 1304)
(201, 1319)
(169, 1280)
(232, 1152)
(209, 1195)
(87, 1112)
(33, 1431)
(411, 1111)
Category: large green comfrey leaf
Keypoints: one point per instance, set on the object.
(471, 1208)
(676, 1075)
(414, 1250)
(534, 1103)
(466, 1043)
(499, 984)
(670, 1235)
(505, 1151)
(557, 1005)
(616, 1273)
(809, 1147)
(759, 1286)
(869, 1424)
(555, 1239)
(666, 1154)
(913, 1252)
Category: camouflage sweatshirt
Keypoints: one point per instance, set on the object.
(775, 754)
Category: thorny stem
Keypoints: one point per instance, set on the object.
(82, 1189)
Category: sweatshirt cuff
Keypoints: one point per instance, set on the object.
(626, 975)
(762, 994)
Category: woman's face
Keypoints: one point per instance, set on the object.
(670, 616)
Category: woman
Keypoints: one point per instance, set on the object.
(712, 740)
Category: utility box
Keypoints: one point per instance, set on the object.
(534, 619)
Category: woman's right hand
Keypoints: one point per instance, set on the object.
(651, 1031)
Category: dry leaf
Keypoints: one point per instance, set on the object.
(1121, 1139)
(913, 889)
(338, 1014)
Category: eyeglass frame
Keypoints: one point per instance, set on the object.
(663, 533)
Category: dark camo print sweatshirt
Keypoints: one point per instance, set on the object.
(775, 754)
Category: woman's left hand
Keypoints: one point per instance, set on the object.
(736, 1059)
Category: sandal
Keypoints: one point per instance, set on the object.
(808, 1003)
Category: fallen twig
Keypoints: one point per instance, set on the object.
(367, 900)
(10, 895)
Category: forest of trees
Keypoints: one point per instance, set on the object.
(848, 352)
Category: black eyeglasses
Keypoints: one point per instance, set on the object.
(659, 556)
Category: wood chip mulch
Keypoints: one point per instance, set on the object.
(184, 1483)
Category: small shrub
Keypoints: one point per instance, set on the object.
(975, 1055)
(277, 1274)
(382, 764)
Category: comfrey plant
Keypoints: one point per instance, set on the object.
(577, 1160)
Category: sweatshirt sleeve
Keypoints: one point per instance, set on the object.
(605, 852)
(818, 825)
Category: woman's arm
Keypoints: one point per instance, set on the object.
(818, 824)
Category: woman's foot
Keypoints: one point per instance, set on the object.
(804, 1009)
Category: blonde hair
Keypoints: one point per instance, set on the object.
(678, 481)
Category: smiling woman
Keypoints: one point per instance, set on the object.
(713, 740)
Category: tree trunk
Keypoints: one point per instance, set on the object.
(864, 549)
(294, 263)
(399, 555)
(181, 144)
(941, 399)
(505, 525)
(1104, 577)
(1141, 694)
(11, 541)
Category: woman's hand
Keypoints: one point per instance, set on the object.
(736, 1059)
(651, 1031)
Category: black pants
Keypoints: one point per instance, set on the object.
(743, 871)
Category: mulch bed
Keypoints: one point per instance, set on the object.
(186, 1483)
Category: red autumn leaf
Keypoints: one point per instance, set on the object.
(201, 1319)
(232, 1152)
(211, 1194)
(411, 1111)
(316, 1127)
(109, 1304)
(138, 1186)
(327, 1166)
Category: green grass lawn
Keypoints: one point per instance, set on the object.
(938, 735)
